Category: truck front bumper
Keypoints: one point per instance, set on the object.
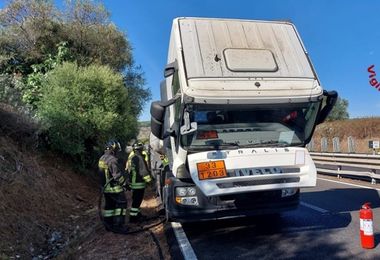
(226, 206)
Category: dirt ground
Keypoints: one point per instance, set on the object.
(149, 244)
(48, 210)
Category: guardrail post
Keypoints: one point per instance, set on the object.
(336, 145)
(323, 144)
(373, 180)
(351, 144)
(339, 169)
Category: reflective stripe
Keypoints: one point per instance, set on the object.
(147, 178)
(118, 212)
(134, 211)
(139, 185)
(129, 161)
(165, 161)
(128, 164)
(116, 189)
(108, 213)
(103, 165)
(146, 157)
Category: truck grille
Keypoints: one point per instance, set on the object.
(257, 182)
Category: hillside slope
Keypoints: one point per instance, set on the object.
(48, 210)
(362, 130)
(44, 203)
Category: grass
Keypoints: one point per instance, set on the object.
(362, 130)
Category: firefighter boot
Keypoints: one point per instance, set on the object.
(108, 223)
(118, 224)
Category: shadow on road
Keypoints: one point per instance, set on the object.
(301, 234)
(332, 199)
(291, 235)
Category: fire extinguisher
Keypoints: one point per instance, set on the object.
(366, 226)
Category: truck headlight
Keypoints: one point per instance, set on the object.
(181, 191)
(192, 201)
(185, 191)
(191, 191)
(186, 196)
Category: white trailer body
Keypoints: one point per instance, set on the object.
(239, 103)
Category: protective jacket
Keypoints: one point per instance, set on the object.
(108, 167)
(139, 174)
(115, 206)
(128, 164)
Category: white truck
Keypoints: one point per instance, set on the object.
(239, 102)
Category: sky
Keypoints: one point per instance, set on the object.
(342, 38)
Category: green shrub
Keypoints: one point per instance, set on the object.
(82, 107)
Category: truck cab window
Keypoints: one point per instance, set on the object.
(252, 125)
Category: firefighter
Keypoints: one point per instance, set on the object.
(128, 164)
(139, 176)
(113, 180)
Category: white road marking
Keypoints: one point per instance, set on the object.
(323, 211)
(350, 184)
(184, 244)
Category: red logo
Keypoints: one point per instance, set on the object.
(373, 81)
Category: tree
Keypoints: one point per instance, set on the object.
(31, 29)
(28, 32)
(339, 112)
(82, 107)
(97, 95)
(93, 38)
(31, 91)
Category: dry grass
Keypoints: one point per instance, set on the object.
(362, 130)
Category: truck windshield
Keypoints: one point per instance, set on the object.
(224, 126)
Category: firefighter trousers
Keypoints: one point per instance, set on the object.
(137, 198)
(115, 209)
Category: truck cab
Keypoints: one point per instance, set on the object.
(239, 102)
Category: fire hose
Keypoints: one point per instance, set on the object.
(142, 229)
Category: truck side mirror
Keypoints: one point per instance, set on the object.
(157, 111)
(332, 97)
(170, 69)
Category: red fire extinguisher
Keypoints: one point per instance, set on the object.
(366, 226)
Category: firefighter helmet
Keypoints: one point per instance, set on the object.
(138, 146)
(113, 145)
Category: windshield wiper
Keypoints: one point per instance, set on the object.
(267, 144)
(215, 145)
(219, 143)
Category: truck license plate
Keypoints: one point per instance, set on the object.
(211, 170)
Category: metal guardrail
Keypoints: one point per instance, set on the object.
(368, 164)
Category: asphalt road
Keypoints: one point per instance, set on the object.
(325, 226)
